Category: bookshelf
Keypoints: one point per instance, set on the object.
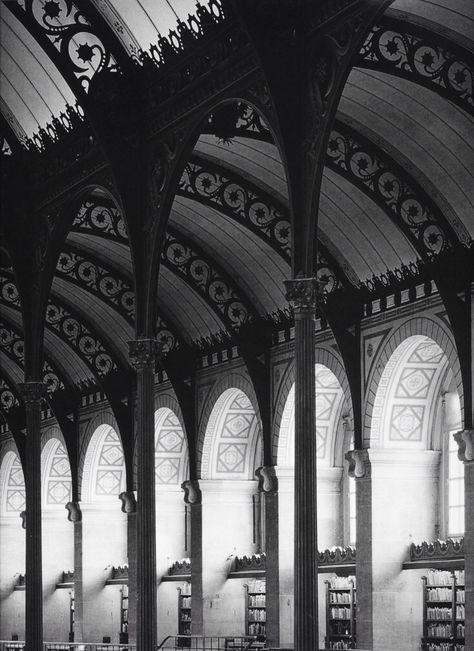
(340, 612)
(443, 611)
(184, 615)
(256, 611)
(123, 635)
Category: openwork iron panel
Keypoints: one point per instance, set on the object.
(371, 170)
(422, 57)
(8, 398)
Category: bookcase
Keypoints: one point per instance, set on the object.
(71, 616)
(256, 611)
(184, 615)
(443, 611)
(341, 612)
(123, 636)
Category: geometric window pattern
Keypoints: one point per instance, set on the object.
(59, 479)
(455, 490)
(170, 449)
(329, 401)
(110, 466)
(407, 393)
(15, 487)
(232, 445)
(406, 423)
(234, 435)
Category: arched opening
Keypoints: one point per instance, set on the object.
(333, 496)
(58, 554)
(231, 512)
(104, 529)
(172, 517)
(12, 557)
(415, 482)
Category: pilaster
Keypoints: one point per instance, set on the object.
(143, 355)
(192, 497)
(465, 441)
(32, 394)
(75, 516)
(268, 487)
(302, 293)
(129, 506)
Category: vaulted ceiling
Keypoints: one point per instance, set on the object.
(396, 186)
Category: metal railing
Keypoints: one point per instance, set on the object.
(170, 643)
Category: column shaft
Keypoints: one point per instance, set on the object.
(32, 393)
(303, 293)
(143, 354)
(469, 552)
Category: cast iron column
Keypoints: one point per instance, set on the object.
(32, 393)
(143, 353)
(302, 292)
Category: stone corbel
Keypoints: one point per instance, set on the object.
(359, 465)
(129, 503)
(23, 519)
(465, 441)
(192, 492)
(74, 511)
(267, 479)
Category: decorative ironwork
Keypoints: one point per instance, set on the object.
(251, 124)
(437, 550)
(244, 202)
(167, 339)
(76, 333)
(179, 568)
(254, 563)
(102, 282)
(420, 56)
(13, 345)
(337, 556)
(303, 292)
(68, 576)
(8, 291)
(6, 149)
(120, 573)
(326, 272)
(206, 279)
(100, 219)
(185, 34)
(60, 24)
(390, 187)
(7, 398)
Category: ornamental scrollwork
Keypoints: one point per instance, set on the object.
(69, 31)
(437, 549)
(101, 219)
(208, 281)
(7, 397)
(250, 122)
(80, 337)
(102, 282)
(326, 273)
(420, 57)
(13, 345)
(364, 165)
(165, 337)
(250, 206)
(9, 291)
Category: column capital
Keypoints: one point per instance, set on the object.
(465, 441)
(74, 511)
(129, 503)
(192, 492)
(267, 479)
(303, 293)
(143, 352)
(32, 393)
(359, 464)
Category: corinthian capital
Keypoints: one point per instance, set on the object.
(303, 292)
(32, 393)
(465, 441)
(143, 352)
(359, 465)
